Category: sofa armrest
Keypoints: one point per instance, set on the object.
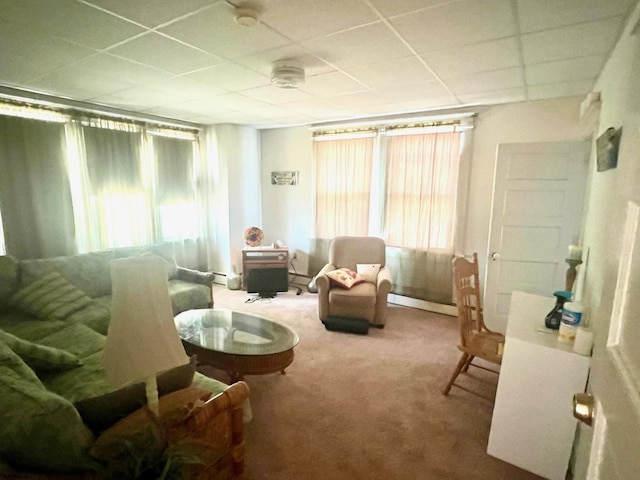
(195, 276)
(209, 429)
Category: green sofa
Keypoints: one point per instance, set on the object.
(50, 349)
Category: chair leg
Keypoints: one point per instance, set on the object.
(461, 364)
(468, 362)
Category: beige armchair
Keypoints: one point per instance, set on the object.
(365, 300)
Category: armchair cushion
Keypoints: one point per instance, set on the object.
(344, 278)
(368, 271)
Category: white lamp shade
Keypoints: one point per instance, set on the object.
(142, 338)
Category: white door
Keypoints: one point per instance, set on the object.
(538, 197)
(615, 377)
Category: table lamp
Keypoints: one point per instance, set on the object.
(142, 339)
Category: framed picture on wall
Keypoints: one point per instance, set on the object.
(288, 177)
(607, 147)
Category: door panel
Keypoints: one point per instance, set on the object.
(538, 197)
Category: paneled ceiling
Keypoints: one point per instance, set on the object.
(190, 60)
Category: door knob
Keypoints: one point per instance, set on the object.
(495, 256)
(584, 407)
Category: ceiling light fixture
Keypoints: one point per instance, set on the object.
(247, 17)
(287, 74)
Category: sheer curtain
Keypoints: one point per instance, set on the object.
(420, 212)
(35, 199)
(112, 188)
(343, 169)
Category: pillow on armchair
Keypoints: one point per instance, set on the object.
(344, 278)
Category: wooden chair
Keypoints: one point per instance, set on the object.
(476, 340)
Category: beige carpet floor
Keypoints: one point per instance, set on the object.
(367, 406)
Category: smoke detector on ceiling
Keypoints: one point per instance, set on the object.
(287, 74)
(247, 17)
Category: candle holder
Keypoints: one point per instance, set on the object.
(571, 273)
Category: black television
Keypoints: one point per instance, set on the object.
(266, 282)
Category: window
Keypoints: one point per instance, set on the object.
(407, 196)
(115, 183)
(399, 183)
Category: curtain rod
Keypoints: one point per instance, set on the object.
(71, 107)
(393, 121)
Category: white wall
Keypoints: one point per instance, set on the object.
(288, 211)
(236, 190)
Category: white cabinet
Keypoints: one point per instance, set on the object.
(533, 426)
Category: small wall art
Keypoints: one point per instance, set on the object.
(607, 147)
(284, 177)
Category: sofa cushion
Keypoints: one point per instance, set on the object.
(9, 279)
(40, 356)
(76, 339)
(27, 326)
(363, 295)
(102, 411)
(51, 296)
(90, 272)
(96, 316)
(344, 278)
(39, 430)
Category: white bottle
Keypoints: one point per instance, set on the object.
(570, 321)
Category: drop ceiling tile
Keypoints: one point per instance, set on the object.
(71, 20)
(575, 41)
(456, 24)
(398, 7)
(78, 84)
(26, 54)
(431, 103)
(582, 68)
(536, 15)
(305, 19)
(361, 46)
(181, 88)
(379, 110)
(241, 118)
(564, 89)
(480, 57)
(273, 94)
(404, 71)
(215, 30)
(263, 61)
(355, 100)
(271, 112)
(487, 81)
(498, 96)
(205, 106)
(117, 68)
(229, 76)
(331, 84)
(178, 111)
(419, 92)
(164, 53)
(235, 101)
(316, 108)
(151, 13)
(137, 98)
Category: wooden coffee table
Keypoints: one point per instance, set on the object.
(238, 343)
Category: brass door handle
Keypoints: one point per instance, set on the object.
(584, 407)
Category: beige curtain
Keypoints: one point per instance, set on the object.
(35, 199)
(343, 186)
(420, 212)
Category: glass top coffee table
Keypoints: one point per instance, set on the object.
(238, 343)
